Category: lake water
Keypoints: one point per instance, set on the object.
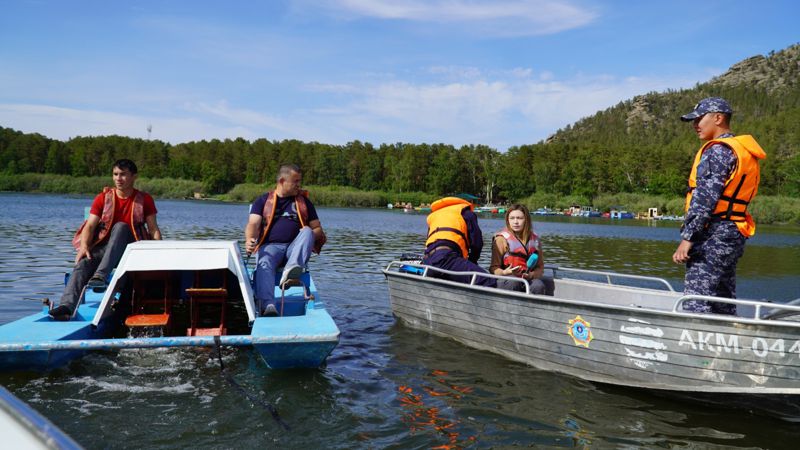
(385, 385)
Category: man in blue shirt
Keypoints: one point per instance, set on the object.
(283, 228)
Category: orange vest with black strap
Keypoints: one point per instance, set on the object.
(137, 219)
(268, 214)
(518, 253)
(446, 222)
(740, 187)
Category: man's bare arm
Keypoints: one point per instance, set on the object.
(87, 237)
(152, 227)
(251, 232)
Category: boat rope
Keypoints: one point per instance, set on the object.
(257, 401)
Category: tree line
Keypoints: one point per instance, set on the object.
(222, 164)
(637, 146)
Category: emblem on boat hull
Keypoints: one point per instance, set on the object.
(580, 331)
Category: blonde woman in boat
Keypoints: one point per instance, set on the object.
(517, 251)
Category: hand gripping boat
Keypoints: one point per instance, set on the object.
(178, 294)
(616, 329)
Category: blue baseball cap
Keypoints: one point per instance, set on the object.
(708, 105)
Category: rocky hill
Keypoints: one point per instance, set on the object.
(749, 84)
(639, 145)
(773, 73)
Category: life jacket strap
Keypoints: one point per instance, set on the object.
(454, 230)
(729, 213)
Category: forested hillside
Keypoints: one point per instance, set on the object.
(640, 145)
(637, 146)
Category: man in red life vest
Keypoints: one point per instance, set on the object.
(283, 228)
(119, 216)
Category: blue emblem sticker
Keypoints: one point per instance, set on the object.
(580, 330)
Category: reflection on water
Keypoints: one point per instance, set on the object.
(385, 385)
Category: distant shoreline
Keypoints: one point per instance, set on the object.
(777, 210)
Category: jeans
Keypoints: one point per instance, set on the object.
(272, 256)
(450, 260)
(539, 286)
(105, 258)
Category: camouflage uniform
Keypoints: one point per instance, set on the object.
(717, 245)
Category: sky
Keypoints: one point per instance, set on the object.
(497, 72)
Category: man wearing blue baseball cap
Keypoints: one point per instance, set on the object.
(722, 183)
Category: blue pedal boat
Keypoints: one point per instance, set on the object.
(178, 294)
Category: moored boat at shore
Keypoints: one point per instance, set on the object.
(490, 209)
(177, 294)
(617, 329)
(545, 211)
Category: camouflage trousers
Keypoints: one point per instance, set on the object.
(711, 269)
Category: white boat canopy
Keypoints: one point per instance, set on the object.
(180, 255)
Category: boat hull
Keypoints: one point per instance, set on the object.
(630, 345)
(296, 342)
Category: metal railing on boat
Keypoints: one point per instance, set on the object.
(608, 276)
(778, 310)
(553, 268)
(423, 271)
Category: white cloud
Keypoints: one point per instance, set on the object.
(500, 112)
(495, 17)
(521, 72)
(244, 117)
(455, 71)
(546, 75)
(498, 109)
(65, 123)
(437, 106)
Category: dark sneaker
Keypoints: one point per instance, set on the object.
(97, 283)
(270, 311)
(61, 313)
(290, 273)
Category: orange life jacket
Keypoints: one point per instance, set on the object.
(268, 214)
(517, 253)
(741, 186)
(137, 219)
(446, 222)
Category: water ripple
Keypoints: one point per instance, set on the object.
(384, 386)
